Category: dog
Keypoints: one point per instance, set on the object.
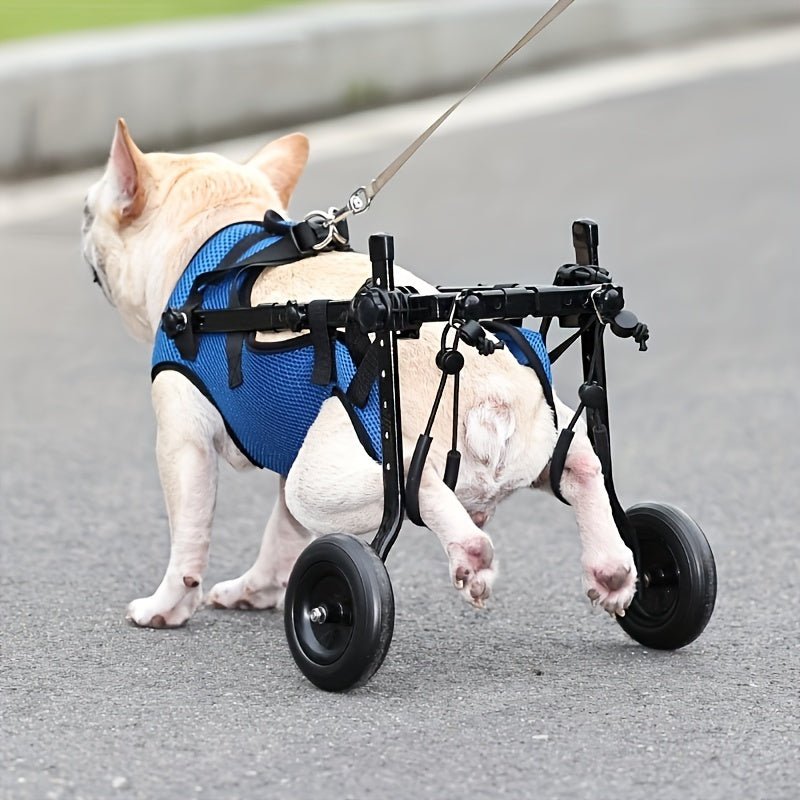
(143, 221)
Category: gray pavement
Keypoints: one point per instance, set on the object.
(696, 191)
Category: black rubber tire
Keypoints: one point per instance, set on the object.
(341, 572)
(677, 578)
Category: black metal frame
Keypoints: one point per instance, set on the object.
(583, 297)
(390, 313)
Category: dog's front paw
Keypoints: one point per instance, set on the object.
(169, 607)
(473, 568)
(240, 593)
(610, 582)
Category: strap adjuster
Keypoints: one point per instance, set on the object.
(174, 322)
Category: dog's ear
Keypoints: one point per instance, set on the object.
(128, 172)
(283, 161)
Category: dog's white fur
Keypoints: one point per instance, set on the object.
(143, 221)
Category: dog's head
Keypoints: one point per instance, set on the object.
(147, 215)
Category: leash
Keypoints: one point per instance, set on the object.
(361, 199)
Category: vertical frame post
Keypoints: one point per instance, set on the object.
(585, 240)
(381, 254)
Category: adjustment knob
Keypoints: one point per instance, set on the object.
(624, 324)
(592, 394)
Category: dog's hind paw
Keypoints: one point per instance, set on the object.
(239, 593)
(473, 568)
(611, 583)
(166, 608)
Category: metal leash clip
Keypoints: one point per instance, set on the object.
(326, 219)
(359, 201)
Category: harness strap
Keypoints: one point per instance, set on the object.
(562, 348)
(230, 261)
(234, 341)
(366, 357)
(321, 341)
(233, 352)
(365, 377)
(186, 339)
(560, 452)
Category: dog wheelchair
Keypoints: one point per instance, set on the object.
(339, 606)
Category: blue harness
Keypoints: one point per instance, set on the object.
(264, 391)
(269, 412)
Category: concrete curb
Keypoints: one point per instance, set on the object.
(186, 83)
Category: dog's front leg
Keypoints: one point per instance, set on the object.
(472, 564)
(264, 584)
(187, 465)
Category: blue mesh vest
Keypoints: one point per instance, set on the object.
(268, 415)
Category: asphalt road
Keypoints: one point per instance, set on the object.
(697, 192)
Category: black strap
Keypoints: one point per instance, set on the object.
(358, 425)
(558, 460)
(559, 457)
(233, 351)
(321, 341)
(544, 327)
(308, 234)
(284, 251)
(263, 317)
(365, 377)
(230, 261)
(358, 343)
(559, 351)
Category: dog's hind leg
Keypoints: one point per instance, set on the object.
(473, 567)
(187, 463)
(264, 584)
(333, 485)
(609, 573)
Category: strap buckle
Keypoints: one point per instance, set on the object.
(326, 219)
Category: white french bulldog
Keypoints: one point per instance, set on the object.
(143, 221)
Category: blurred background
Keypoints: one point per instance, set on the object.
(673, 123)
(211, 69)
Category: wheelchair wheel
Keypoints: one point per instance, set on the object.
(677, 578)
(339, 612)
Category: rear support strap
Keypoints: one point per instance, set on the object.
(321, 341)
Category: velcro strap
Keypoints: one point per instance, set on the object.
(233, 351)
(321, 341)
(358, 343)
(558, 460)
(365, 377)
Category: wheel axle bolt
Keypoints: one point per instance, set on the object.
(318, 615)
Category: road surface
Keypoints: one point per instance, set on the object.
(696, 186)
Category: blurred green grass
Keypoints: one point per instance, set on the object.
(24, 18)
